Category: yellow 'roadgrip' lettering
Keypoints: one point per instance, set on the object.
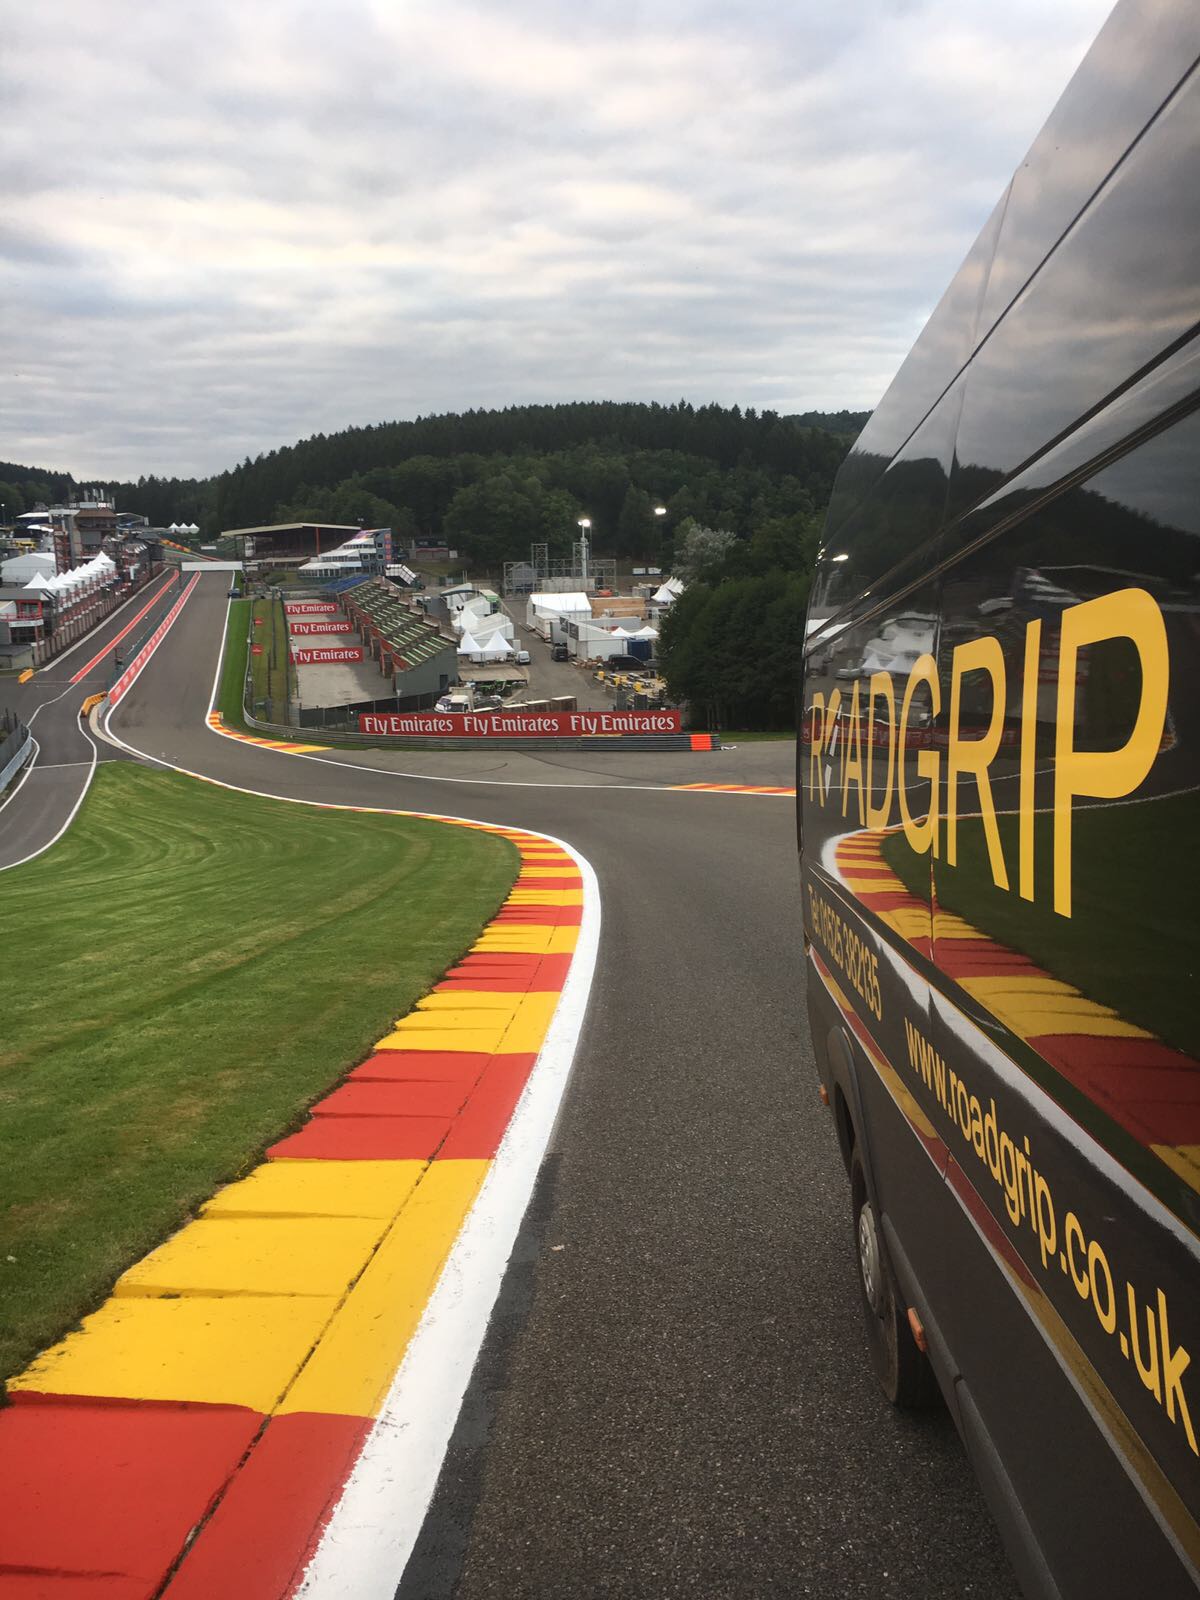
(852, 759)
(815, 791)
(881, 689)
(976, 755)
(831, 736)
(1029, 692)
(921, 836)
(1128, 614)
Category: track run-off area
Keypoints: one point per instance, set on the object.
(641, 1371)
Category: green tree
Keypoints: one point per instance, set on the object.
(699, 551)
(12, 500)
(637, 526)
(733, 650)
(498, 518)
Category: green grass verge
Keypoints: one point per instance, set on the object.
(744, 736)
(270, 671)
(1133, 915)
(233, 666)
(186, 971)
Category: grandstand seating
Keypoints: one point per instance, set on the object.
(391, 627)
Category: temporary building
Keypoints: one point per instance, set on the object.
(495, 626)
(19, 569)
(547, 613)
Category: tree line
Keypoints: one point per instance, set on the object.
(654, 480)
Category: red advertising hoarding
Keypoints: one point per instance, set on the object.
(320, 627)
(300, 608)
(329, 652)
(516, 724)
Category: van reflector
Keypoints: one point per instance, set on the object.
(918, 1330)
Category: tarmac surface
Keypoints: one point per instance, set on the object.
(674, 1397)
(41, 803)
(547, 677)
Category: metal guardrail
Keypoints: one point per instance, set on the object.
(16, 746)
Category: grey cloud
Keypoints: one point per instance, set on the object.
(296, 217)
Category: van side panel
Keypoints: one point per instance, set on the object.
(999, 786)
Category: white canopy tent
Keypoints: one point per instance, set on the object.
(668, 592)
(493, 649)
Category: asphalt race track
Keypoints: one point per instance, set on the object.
(674, 1397)
(46, 797)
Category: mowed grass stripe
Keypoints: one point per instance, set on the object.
(187, 971)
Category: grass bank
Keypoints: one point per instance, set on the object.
(186, 971)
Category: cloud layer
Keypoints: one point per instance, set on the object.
(227, 227)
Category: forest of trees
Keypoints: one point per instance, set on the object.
(493, 482)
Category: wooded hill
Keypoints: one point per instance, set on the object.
(493, 482)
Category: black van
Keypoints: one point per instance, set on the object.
(999, 781)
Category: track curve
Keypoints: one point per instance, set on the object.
(673, 1397)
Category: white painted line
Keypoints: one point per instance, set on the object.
(370, 1537)
(87, 783)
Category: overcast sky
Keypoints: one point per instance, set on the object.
(225, 226)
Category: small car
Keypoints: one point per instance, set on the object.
(522, 658)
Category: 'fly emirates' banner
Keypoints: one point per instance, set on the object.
(332, 652)
(319, 627)
(300, 608)
(516, 724)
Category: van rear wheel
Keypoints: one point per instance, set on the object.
(902, 1371)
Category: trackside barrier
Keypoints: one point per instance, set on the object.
(631, 742)
(16, 746)
(118, 690)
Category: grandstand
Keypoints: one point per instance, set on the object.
(401, 639)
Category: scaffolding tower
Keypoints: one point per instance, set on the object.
(557, 575)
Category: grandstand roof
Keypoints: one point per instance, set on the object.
(289, 527)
